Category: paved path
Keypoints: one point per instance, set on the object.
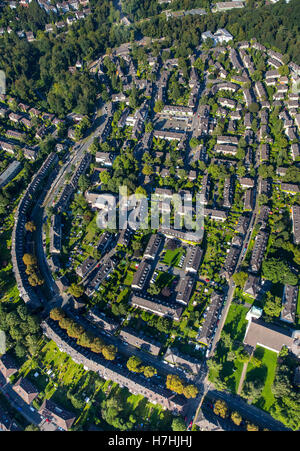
(243, 375)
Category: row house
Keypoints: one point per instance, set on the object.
(296, 223)
(228, 192)
(289, 303)
(185, 289)
(157, 307)
(259, 249)
(260, 90)
(212, 315)
(109, 370)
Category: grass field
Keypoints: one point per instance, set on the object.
(236, 322)
(265, 373)
(129, 278)
(172, 258)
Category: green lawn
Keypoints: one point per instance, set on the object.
(129, 278)
(236, 322)
(172, 258)
(67, 370)
(266, 373)
(232, 380)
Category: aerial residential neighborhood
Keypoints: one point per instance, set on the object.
(150, 208)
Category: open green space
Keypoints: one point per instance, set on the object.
(236, 322)
(265, 373)
(172, 257)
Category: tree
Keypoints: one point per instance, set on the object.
(29, 260)
(147, 169)
(31, 428)
(153, 289)
(252, 390)
(266, 171)
(149, 127)
(140, 192)
(174, 383)
(226, 339)
(134, 364)
(83, 183)
(164, 324)
(252, 427)
(262, 199)
(236, 418)
(159, 106)
(240, 278)
(220, 408)
(190, 391)
(76, 290)
(256, 362)
(283, 70)
(97, 345)
(149, 371)
(178, 425)
(30, 226)
(84, 339)
(109, 352)
(20, 350)
(277, 270)
(134, 97)
(254, 107)
(194, 142)
(242, 355)
(231, 356)
(57, 313)
(272, 305)
(284, 351)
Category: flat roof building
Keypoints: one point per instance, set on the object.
(267, 335)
